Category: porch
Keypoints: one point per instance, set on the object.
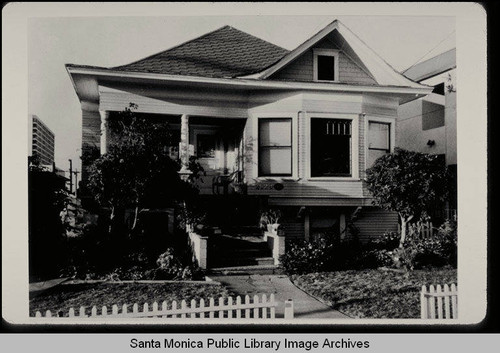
(216, 143)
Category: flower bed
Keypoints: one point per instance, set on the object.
(374, 293)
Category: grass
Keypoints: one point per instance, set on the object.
(373, 293)
(65, 296)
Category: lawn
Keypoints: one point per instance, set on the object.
(373, 293)
(65, 296)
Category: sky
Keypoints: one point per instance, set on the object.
(110, 41)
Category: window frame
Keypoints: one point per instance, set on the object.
(354, 145)
(392, 133)
(326, 52)
(259, 147)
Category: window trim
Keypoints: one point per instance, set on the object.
(276, 118)
(326, 52)
(392, 132)
(354, 145)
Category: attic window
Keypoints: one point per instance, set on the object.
(326, 65)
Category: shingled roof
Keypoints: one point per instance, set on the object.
(226, 52)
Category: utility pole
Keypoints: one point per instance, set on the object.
(70, 176)
(76, 181)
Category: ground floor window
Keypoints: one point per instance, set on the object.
(275, 147)
(331, 147)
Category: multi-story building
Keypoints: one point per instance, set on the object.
(41, 142)
(429, 124)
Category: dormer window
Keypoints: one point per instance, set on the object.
(326, 65)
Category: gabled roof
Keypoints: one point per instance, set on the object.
(381, 71)
(433, 66)
(225, 52)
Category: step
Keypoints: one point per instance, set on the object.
(244, 270)
(243, 261)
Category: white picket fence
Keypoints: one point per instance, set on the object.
(426, 230)
(439, 302)
(263, 307)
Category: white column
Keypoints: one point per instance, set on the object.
(104, 131)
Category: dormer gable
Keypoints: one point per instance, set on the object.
(353, 61)
(326, 61)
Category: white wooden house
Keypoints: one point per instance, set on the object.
(299, 127)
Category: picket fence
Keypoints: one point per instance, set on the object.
(263, 307)
(439, 302)
(426, 230)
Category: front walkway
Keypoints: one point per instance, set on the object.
(305, 306)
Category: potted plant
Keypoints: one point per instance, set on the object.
(269, 220)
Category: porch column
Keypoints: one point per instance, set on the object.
(104, 130)
(342, 225)
(184, 148)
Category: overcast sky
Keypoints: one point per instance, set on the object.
(111, 41)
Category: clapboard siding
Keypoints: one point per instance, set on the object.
(373, 222)
(91, 135)
(361, 147)
(117, 101)
(309, 188)
(294, 229)
(301, 69)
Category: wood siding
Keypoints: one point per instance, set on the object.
(373, 222)
(91, 135)
(301, 69)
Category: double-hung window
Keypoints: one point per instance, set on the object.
(275, 147)
(379, 140)
(331, 147)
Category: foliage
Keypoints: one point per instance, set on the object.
(374, 293)
(47, 197)
(137, 171)
(407, 182)
(308, 256)
(269, 217)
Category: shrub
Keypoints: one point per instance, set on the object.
(308, 256)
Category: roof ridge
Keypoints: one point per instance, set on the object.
(171, 48)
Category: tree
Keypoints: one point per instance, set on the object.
(47, 197)
(137, 171)
(409, 183)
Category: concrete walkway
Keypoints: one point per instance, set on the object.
(305, 306)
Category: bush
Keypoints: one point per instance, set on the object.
(308, 256)
(328, 253)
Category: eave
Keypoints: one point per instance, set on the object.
(243, 84)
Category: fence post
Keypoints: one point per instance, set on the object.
(423, 303)
(289, 309)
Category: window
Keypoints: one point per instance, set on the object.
(275, 147)
(379, 140)
(205, 146)
(331, 149)
(326, 65)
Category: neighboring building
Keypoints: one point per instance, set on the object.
(41, 141)
(429, 124)
(298, 128)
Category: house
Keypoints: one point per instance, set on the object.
(296, 128)
(429, 124)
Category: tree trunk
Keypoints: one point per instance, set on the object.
(136, 215)
(404, 226)
(111, 220)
